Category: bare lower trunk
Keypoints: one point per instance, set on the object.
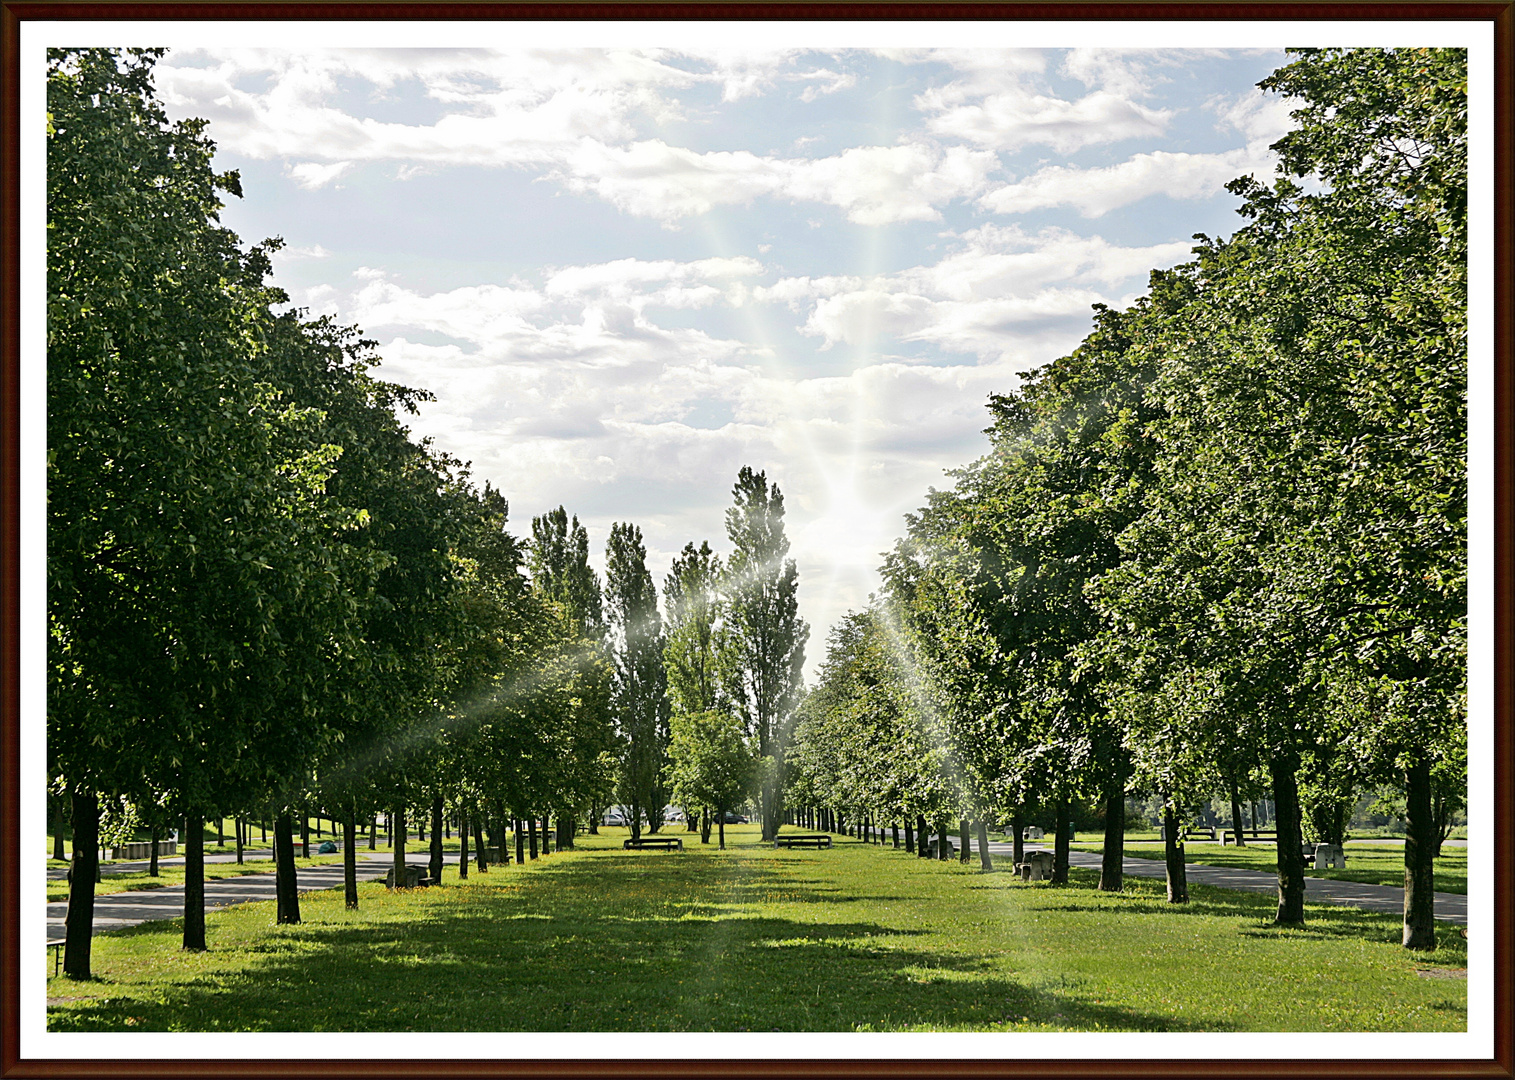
(1018, 839)
(1173, 859)
(480, 850)
(922, 841)
(1113, 859)
(434, 871)
(720, 816)
(241, 824)
(398, 836)
(286, 885)
(56, 805)
(78, 924)
(909, 836)
(520, 842)
(194, 883)
(963, 854)
(152, 855)
(350, 860)
(705, 826)
(531, 836)
(1420, 912)
(304, 835)
(1291, 861)
(1061, 838)
(985, 860)
(1236, 822)
(462, 846)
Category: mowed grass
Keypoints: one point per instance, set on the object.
(1369, 864)
(854, 938)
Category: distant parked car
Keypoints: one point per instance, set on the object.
(614, 818)
(735, 819)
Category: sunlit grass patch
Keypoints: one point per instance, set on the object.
(854, 938)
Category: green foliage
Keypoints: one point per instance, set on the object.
(638, 697)
(710, 763)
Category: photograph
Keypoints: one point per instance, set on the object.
(753, 540)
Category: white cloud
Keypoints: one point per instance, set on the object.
(312, 174)
(1001, 294)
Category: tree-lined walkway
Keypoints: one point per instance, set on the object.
(1450, 907)
(115, 911)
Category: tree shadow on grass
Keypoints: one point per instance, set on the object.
(581, 951)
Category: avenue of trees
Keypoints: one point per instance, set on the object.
(1221, 546)
(266, 600)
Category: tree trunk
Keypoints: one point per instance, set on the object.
(220, 830)
(943, 844)
(481, 854)
(531, 836)
(1420, 913)
(79, 923)
(720, 817)
(520, 842)
(909, 836)
(1291, 862)
(922, 841)
(152, 854)
(397, 836)
(1173, 858)
(241, 824)
(435, 869)
(1018, 840)
(350, 860)
(634, 821)
(1061, 838)
(705, 825)
(286, 885)
(1113, 859)
(304, 835)
(963, 853)
(691, 821)
(194, 883)
(985, 860)
(56, 805)
(373, 833)
(463, 845)
(1236, 822)
(546, 838)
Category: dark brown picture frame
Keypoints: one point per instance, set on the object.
(1500, 16)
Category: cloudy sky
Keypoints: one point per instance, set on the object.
(625, 274)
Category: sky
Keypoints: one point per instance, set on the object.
(624, 274)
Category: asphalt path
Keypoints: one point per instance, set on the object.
(113, 911)
(1449, 907)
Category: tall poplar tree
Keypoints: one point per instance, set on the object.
(768, 635)
(638, 698)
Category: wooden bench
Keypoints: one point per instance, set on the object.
(56, 945)
(665, 843)
(792, 840)
(1207, 831)
(1228, 836)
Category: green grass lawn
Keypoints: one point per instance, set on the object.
(1365, 863)
(854, 938)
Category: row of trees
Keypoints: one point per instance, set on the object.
(265, 597)
(1221, 546)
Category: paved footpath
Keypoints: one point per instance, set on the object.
(1450, 907)
(116, 910)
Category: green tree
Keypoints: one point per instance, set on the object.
(638, 699)
(768, 636)
(710, 763)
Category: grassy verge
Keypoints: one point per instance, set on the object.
(854, 938)
(1366, 864)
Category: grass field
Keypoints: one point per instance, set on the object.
(855, 938)
(1365, 863)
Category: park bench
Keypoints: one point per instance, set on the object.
(415, 877)
(1207, 831)
(56, 945)
(1228, 836)
(935, 852)
(665, 843)
(1037, 867)
(815, 840)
